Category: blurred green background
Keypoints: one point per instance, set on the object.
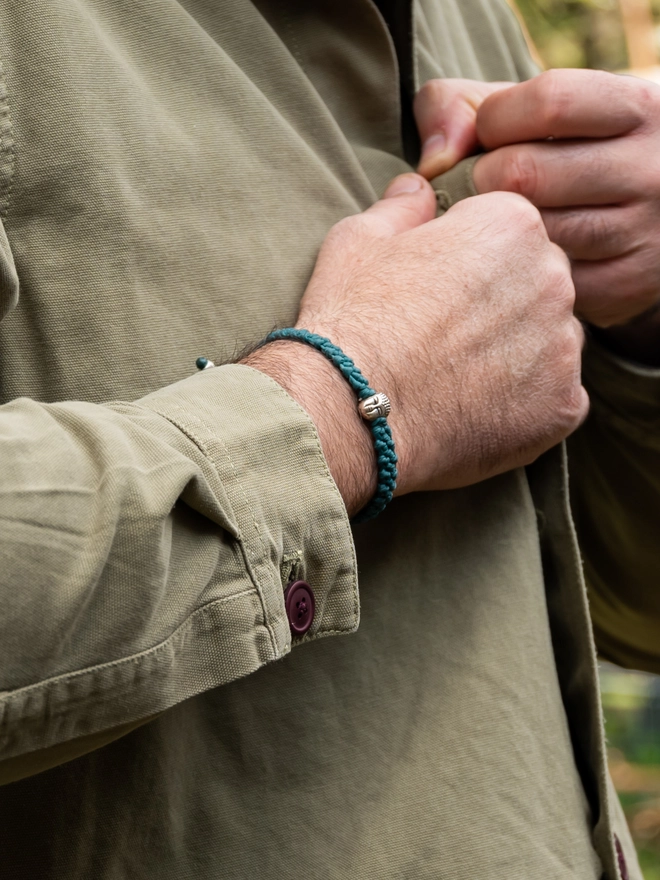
(632, 721)
(605, 34)
(615, 35)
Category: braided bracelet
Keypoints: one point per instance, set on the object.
(374, 408)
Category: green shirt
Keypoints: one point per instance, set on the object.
(168, 171)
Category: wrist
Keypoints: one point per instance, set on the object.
(320, 389)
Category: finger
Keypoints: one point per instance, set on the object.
(562, 257)
(493, 213)
(565, 104)
(446, 113)
(555, 174)
(615, 291)
(598, 233)
(408, 202)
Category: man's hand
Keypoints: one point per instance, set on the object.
(465, 322)
(446, 116)
(584, 147)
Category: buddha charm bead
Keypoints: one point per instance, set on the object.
(377, 406)
(373, 407)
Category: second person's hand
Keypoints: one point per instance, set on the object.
(584, 147)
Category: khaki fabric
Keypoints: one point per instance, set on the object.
(168, 171)
(617, 489)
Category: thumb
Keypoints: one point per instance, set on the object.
(408, 202)
(446, 115)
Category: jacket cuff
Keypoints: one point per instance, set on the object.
(290, 519)
(230, 444)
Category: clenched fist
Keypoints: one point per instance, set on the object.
(465, 322)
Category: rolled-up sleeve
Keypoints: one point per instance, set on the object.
(615, 492)
(146, 547)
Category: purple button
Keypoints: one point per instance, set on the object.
(621, 859)
(299, 604)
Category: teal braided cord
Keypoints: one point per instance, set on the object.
(383, 440)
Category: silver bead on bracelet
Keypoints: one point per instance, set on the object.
(377, 406)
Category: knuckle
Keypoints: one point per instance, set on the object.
(529, 223)
(596, 232)
(579, 405)
(527, 211)
(563, 287)
(556, 99)
(648, 101)
(518, 210)
(569, 357)
(580, 336)
(519, 172)
(568, 349)
(568, 415)
(585, 235)
(555, 282)
(431, 92)
(347, 232)
(345, 226)
(350, 228)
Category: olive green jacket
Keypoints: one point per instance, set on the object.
(168, 171)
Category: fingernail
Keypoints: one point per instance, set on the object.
(433, 145)
(406, 183)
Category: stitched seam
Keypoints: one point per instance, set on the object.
(290, 565)
(261, 542)
(603, 790)
(7, 696)
(207, 453)
(319, 454)
(322, 633)
(252, 563)
(8, 143)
